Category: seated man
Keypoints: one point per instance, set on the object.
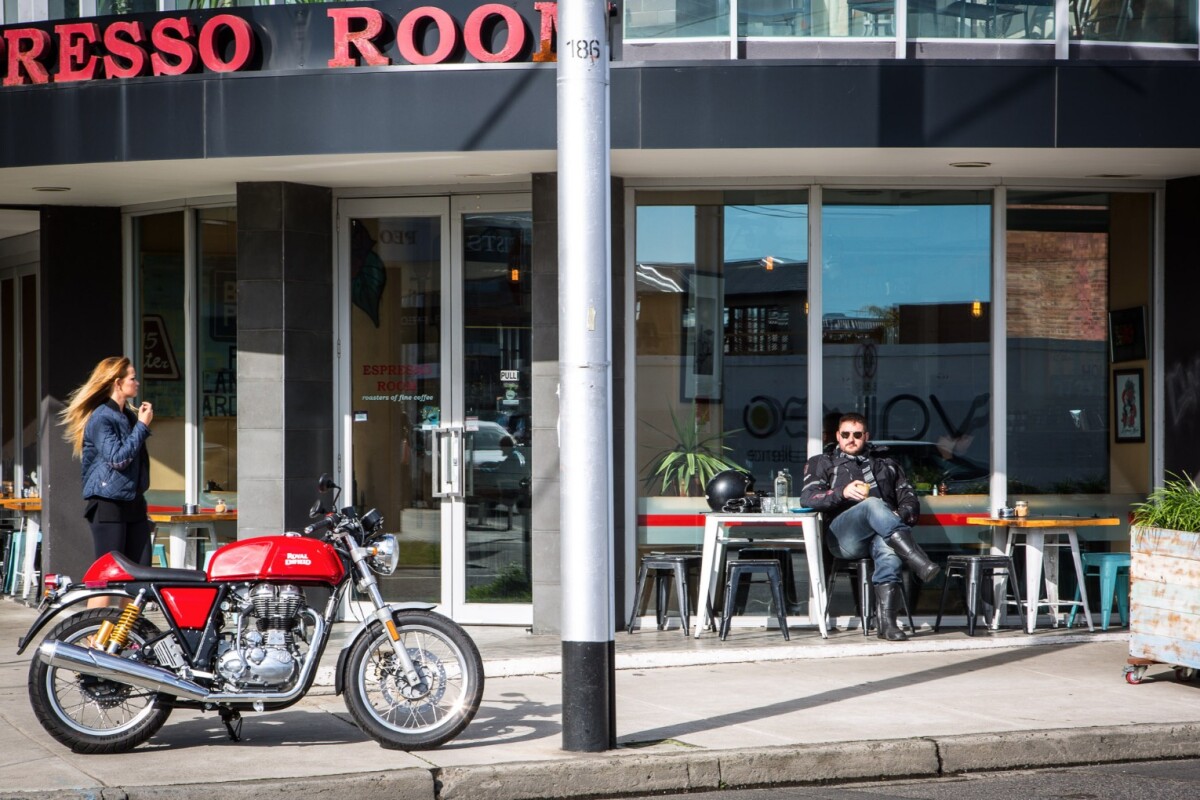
(868, 505)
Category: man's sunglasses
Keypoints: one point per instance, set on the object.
(848, 434)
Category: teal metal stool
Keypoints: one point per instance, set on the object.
(1110, 567)
(160, 555)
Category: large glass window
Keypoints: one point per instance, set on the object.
(19, 383)
(217, 347)
(159, 265)
(176, 321)
(722, 350)
(676, 19)
(1078, 266)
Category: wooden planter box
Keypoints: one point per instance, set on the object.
(1164, 603)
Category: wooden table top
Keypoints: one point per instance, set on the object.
(22, 503)
(1045, 522)
(211, 516)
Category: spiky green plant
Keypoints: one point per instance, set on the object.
(686, 467)
(1174, 506)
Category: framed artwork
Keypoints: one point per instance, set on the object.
(704, 339)
(1129, 401)
(1127, 334)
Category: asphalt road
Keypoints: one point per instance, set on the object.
(1150, 780)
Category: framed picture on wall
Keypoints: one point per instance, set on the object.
(1129, 401)
(1127, 334)
(704, 339)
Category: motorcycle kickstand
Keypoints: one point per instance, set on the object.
(233, 723)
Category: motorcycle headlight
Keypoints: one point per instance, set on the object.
(384, 554)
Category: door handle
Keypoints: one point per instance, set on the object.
(447, 461)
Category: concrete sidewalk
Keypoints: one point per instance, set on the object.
(691, 714)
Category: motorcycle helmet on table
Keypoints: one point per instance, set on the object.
(730, 490)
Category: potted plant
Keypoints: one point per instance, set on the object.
(1164, 546)
(683, 469)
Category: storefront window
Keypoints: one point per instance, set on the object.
(19, 383)
(177, 320)
(722, 349)
(159, 262)
(217, 344)
(1078, 270)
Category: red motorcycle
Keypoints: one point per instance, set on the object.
(244, 637)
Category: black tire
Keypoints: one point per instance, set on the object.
(90, 714)
(384, 705)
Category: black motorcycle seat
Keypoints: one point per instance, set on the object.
(158, 574)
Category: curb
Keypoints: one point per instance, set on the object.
(642, 773)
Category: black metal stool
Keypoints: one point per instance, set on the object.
(860, 572)
(664, 566)
(734, 571)
(784, 556)
(971, 569)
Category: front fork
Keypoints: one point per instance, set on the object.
(368, 583)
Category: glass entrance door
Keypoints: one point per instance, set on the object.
(433, 300)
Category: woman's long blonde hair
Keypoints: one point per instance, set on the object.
(88, 397)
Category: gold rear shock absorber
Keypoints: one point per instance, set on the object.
(120, 632)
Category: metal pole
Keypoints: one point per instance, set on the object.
(585, 368)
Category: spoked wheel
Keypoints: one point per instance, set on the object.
(90, 714)
(398, 714)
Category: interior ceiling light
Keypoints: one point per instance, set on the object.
(52, 188)
(970, 164)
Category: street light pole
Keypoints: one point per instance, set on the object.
(585, 371)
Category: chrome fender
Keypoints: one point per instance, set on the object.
(339, 681)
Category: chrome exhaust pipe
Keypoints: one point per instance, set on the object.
(122, 670)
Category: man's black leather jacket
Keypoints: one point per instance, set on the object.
(828, 474)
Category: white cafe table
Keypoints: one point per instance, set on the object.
(178, 525)
(769, 529)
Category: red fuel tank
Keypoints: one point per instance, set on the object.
(290, 558)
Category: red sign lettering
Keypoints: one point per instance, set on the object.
(24, 59)
(473, 31)
(243, 43)
(546, 50)
(406, 35)
(125, 59)
(177, 46)
(343, 37)
(75, 63)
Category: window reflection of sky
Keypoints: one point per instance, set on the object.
(888, 255)
(875, 255)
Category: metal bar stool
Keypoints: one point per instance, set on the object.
(971, 569)
(1113, 571)
(735, 569)
(665, 566)
(860, 572)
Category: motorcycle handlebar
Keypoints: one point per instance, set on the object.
(323, 524)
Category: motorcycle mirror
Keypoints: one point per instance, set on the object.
(325, 482)
(316, 511)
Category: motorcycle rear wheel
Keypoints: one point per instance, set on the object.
(391, 711)
(90, 714)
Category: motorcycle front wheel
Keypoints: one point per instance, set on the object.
(90, 714)
(401, 716)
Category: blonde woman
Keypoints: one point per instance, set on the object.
(109, 435)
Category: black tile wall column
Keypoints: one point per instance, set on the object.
(547, 579)
(1181, 335)
(285, 352)
(81, 320)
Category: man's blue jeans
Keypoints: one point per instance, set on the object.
(859, 532)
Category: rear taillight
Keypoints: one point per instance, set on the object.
(49, 584)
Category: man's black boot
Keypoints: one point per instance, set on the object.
(901, 541)
(887, 602)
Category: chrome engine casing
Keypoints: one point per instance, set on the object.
(263, 650)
